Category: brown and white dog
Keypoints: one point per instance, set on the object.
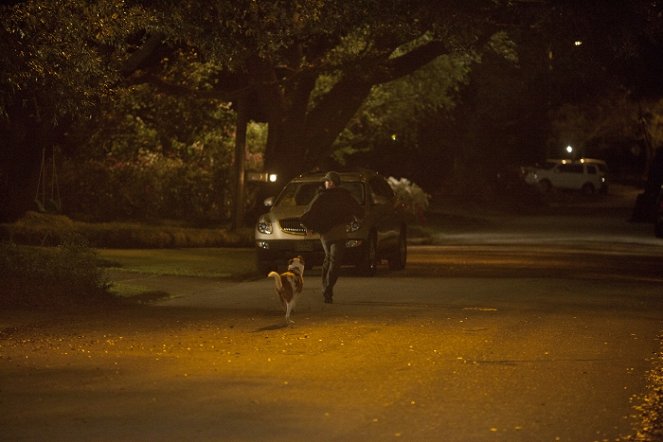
(289, 284)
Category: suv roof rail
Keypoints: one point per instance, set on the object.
(360, 170)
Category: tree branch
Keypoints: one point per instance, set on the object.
(140, 57)
(143, 77)
(398, 67)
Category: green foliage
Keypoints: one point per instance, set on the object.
(280, 50)
(230, 33)
(63, 276)
(614, 117)
(393, 110)
(153, 155)
(501, 43)
(136, 128)
(57, 55)
(153, 187)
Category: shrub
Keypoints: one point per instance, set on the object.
(146, 189)
(65, 275)
(412, 197)
(44, 229)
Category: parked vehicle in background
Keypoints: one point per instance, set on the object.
(602, 165)
(527, 171)
(381, 234)
(586, 175)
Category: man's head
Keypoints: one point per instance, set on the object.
(331, 179)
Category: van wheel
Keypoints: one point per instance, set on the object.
(398, 259)
(545, 186)
(588, 189)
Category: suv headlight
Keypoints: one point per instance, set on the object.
(352, 227)
(264, 226)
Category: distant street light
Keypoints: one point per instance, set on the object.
(264, 177)
(569, 148)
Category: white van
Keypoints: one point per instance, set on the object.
(602, 165)
(584, 175)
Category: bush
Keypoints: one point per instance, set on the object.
(150, 188)
(414, 199)
(65, 275)
(49, 230)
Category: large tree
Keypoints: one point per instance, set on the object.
(59, 60)
(303, 66)
(306, 66)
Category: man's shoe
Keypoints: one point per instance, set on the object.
(328, 300)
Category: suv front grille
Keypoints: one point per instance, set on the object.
(293, 226)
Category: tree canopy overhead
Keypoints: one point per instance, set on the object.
(318, 72)
(307, 66)
(303, 66)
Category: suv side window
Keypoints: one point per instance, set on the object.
(381, 192)
(591, 169)
(570, 168)
(356, 189)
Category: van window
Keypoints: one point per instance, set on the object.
(570, 168)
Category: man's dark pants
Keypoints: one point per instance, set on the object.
(331, 267)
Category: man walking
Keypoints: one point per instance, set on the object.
(328, 214)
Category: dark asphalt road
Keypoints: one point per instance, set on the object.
(522, 336)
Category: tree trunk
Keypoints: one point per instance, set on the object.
(298, 140)
(23, 139)
(286, 107)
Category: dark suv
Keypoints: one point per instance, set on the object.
(381, 234)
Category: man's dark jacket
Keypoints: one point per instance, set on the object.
(330, 208)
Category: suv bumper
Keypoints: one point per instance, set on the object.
(311, 250)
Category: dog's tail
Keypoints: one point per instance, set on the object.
(277, 280)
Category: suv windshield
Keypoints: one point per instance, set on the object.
(301, 193)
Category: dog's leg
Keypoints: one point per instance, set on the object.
(288, 310)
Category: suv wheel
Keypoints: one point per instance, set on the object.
(398, 259)
(369, 262)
